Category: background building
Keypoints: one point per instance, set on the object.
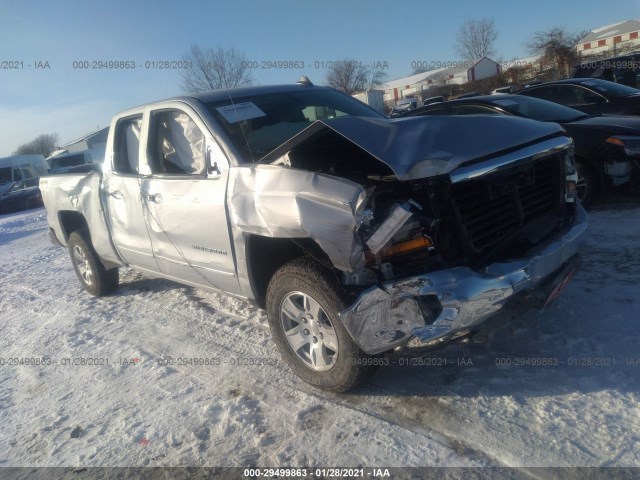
(422, 85)
(619, 38)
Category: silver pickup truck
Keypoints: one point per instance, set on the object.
(361, 236)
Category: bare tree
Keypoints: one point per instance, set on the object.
(352, 76)
(215, 69)
(43, 144)
(476, 39)
(557, 48)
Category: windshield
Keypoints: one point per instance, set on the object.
(538, 109)
(610, 88)
(5, 175)
(258, 124)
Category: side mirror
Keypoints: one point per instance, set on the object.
(213, 169)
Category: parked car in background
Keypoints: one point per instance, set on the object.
(64, 162)
(589, 95)
(507, 89)
(403, 105)
(85, 168)
(21, 195)
(623, 69)
(468, 95)
(607, 148)
(21, 168)
(430, 100)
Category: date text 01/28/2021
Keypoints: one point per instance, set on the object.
(325, 472)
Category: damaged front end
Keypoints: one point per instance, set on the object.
(443, 231)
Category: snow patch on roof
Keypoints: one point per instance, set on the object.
(608, 33)
(606, 27)
(412, 79)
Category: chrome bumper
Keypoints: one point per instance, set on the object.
(440, 303)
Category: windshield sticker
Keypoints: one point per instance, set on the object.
(240, 111)
(506, 103)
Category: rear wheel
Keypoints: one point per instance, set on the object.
(588, 186)
(303, 302)
(94, 277)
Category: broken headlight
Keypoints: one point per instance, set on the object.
(363, 214)
(400, 233)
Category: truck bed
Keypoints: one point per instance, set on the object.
(77, 198)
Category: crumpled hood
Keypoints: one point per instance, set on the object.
(419, 147)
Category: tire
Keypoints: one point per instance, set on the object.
(92, 275)
(588, 186)
(303, 302)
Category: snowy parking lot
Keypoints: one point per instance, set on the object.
(165, 375)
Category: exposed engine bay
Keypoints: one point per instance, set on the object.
(431, 223)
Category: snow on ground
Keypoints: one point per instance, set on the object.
(488, 406)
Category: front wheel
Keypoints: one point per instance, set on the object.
(303, 302)
(94, 277)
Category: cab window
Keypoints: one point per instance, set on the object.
(125, 159)
(178, 146)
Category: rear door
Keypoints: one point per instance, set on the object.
(122, 190)
(184, 199)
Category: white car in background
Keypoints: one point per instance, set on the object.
(65, 162)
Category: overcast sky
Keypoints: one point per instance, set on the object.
(71, 101)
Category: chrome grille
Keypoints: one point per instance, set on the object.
(496, 205)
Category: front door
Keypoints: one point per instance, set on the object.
(184, 198)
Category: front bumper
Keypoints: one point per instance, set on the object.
(439, 304)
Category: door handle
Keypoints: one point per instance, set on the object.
(116, 194)
(153, 197)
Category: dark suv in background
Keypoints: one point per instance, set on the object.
(589, 95)
(623, 69)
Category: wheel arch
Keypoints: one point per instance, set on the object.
(265, 255)
(597, 167)
(70, 221)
